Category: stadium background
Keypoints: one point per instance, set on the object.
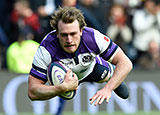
(143, 85)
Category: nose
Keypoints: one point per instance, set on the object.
(69, 38)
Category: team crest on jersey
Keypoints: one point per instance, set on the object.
(86, 58)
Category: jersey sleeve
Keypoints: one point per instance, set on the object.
(107, 48)
(41, 60)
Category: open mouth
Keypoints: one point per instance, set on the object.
(69, 45)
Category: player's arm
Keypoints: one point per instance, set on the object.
(111, 52)
(38, 90)
(123, 67)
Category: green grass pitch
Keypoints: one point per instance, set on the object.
(99, 113)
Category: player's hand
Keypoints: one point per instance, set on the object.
(101, 95)
(71, 81)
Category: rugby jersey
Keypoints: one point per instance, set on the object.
(93, 47)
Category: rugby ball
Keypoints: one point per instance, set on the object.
(56, 74)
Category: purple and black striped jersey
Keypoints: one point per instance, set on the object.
(94, 48)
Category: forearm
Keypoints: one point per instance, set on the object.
(123, 67)
(38, 91)
(45, 92)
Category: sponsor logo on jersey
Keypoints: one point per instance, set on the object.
(106, 38)
(104, 74)
(67, 62)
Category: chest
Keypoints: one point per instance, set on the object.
(80, 62)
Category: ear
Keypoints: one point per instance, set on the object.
(57, 34)
(81, 31)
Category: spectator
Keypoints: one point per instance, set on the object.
(20, 55)
(5, 10)
(3, 45)
(68, 3)
(44, 9)
(147, 36)
(92, 10)
(118, 29)
(26, 19)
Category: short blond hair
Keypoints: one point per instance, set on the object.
(67, 15)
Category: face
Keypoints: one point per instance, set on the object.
(20, 8)
(150, 6)
(69, 3)
(69, 35)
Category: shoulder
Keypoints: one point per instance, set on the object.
(88, 30)
(31, 44)
(88, 33)
(49, 38)
(90, 37)
(47, 46)
(50, 42)
(139, 12)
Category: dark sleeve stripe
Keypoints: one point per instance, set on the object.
(39, 69)
(101, 55)
(36, 76)
(109, 52)
(112, 53)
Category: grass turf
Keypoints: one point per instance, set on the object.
(99, 113)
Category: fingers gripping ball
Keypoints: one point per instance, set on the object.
(55, 74)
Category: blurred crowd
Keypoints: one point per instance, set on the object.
(133, 24)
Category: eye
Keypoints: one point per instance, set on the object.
(64, 34)
(73, 33)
